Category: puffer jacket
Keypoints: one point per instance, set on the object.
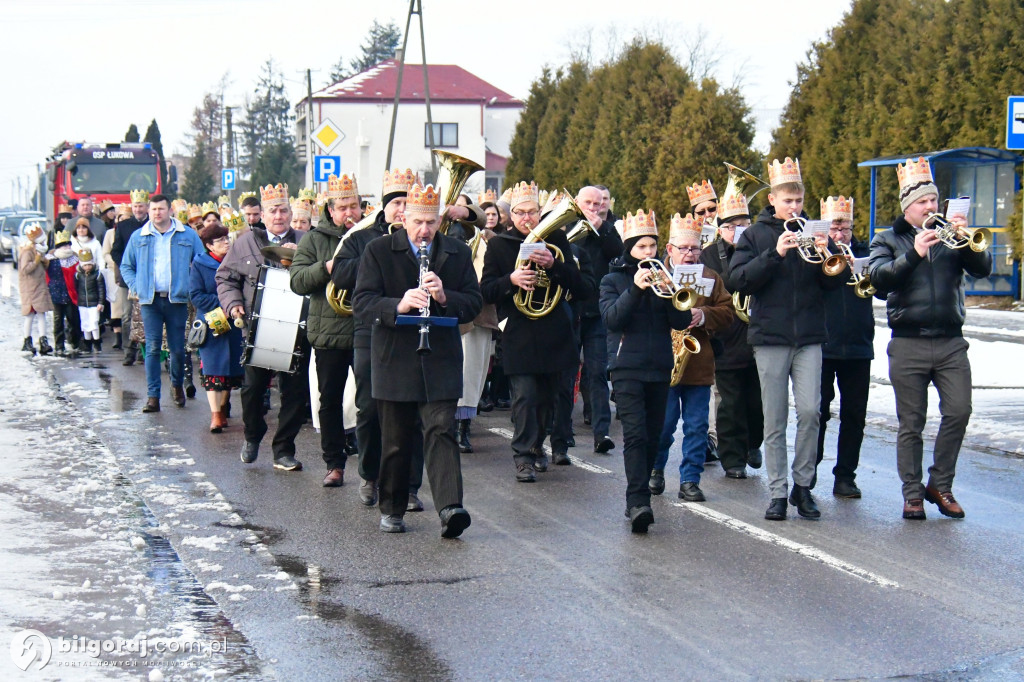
(309, 277)
(639, 326)
(91, 287)
(787, 304)
(923, 296)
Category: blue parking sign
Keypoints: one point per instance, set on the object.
(227, 178)
(325, 166)
(1015, 122)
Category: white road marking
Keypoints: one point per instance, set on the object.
(795, 547)
(581, 463)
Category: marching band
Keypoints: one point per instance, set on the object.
(429, 300)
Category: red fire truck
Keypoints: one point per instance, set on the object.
(101, 171)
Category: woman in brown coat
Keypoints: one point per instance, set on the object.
(35, 296)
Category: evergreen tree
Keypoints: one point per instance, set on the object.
(276, 163)
(267, 119)
(153, 138)
(206, 129)
(523, 147)
(553, 129)
(200, 183)
(380, 45)
(133, 134)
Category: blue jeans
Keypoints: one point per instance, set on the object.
(155, 316)
(692, 403)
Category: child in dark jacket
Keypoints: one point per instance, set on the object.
(61, 270)
(92, 295)
(639, 358)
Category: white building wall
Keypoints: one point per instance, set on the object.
(499, 128)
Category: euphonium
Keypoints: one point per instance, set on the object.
(452, 176)
(662, 285)
(740, 181)
(684, 345)
(741, 304)
(338, 298)
(580, 231)
(562, 214)
(831, 263)
(953, 237)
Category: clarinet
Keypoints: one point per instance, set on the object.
(424, 347)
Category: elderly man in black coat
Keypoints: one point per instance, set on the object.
(406, 383)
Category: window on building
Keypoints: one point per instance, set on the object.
(445, 135)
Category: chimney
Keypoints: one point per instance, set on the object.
(398, 55)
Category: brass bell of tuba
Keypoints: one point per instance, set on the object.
(530, 303)
(337, 298)
(451, 178)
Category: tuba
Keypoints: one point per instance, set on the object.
(684, 346)
(741, 304)
(740, 181)
(978, 239)
(662, 285)
(527, 302)
(452, 176)
(337, 298)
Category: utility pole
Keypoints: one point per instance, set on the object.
(415, 7)
(309, 129)
(39, 188)
(231, 154)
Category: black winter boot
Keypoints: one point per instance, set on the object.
(28, 347)
(98, 345)
(117, 342)
(463, 436)
(44, 346)
(130, 354)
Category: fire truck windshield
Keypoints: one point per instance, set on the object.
(112, 178)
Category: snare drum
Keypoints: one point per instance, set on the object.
(278, 320)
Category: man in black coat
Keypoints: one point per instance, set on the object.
(846, 356)
(406, 383)
(123, 231)
(923, 282)
(535, 351)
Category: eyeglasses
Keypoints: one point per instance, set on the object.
(691, 249)
(523, 214)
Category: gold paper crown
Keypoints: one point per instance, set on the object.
(234, 221)
(321, 199)
(523, 192)
(640, 225)
(139, 196)
(307, 194)
(209, 207)
(223, 200)
(342, 188)
(370, 209)
(914, 173)
(301, 209)
(124, 211)
(699, 193)
(64, 208)
(85, 255)
(837, 208)
(194, 212)
(487, 195)
(683, 226)
(423, 200)
(781, 173)
(179, 205)
(34, 231)
(506, 196)
(243, 196)
(272, 195)
(397, 180)
(104, 206)
(62, 237)
(732, 205)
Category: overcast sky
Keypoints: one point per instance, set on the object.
(85, 69)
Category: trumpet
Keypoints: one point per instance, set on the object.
(684, 346)
(662, 285)
(861, 283)
(831, 263)
(741, 304)
(978, 239)
(529, 303)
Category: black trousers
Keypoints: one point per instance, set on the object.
(854, 378)
(533, 400)
(368, 427)
(740, 418)
(72, 330)
(641, 408)
(331, 375)
(561, 423)
(294, 397)
(400, 424)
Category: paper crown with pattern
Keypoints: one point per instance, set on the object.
(301, 209)
(85, 255)
(139, 196)
(234, 221)
(104, 206)
(523, 192)
(307, 194)
(194, 212)
(785, 172)
(243, 196)
(640, 225)
(699, 193)
(64, 208)
(837, 208)
(914, 173)
(223, 200)
(62, 237)
(732, 204)
(397, 180)
(423, 200)
(506, 196)
(209, 207)
(179, 205)
(487, 195)
(342, 187)
(272, 195)
(124, 211)
(683, 226)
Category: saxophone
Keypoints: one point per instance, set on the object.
(684, 345)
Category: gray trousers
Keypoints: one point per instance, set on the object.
(776, 365)
(913, 364)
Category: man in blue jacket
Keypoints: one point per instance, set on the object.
(155, 268)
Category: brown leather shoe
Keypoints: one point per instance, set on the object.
(914, 510)
(947, 504)
(215, 425)
(335, 478)
(152, 405)
(178, 394)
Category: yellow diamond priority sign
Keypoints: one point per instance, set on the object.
(327, 135)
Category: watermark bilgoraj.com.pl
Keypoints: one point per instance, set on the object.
(32, 648)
